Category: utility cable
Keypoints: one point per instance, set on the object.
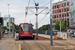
(44, 17)
(41, 11)
(27, 10)
(46, 4)
(32, 11)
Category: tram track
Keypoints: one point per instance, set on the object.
(25, 45)
(40, 45)
(36, 46)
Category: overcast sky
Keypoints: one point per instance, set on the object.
(17, 10)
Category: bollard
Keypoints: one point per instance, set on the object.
(56, 36)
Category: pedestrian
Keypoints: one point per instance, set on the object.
(2, 32)
(71, 34)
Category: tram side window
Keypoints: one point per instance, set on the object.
(21, 27)
(29, 28)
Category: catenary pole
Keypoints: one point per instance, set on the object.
(51, 31)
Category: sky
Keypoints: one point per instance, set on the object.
(17, 9)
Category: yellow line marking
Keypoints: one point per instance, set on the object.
(19, 47)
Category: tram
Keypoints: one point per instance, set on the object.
(26, 30)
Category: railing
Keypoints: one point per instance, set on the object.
(46, 32)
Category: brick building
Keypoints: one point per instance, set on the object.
(61, 10)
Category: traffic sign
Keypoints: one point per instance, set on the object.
(10, 25)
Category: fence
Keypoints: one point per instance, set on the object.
(46, 32)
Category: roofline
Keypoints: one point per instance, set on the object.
(60, 1)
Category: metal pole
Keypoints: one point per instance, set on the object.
(60, 25)
(36, 22)
(9, 23)
(51, 31)
(0, 32)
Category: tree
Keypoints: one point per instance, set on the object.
(4, 27)
(57, 25)
(63, 27)
(17, 27)
(45, 27)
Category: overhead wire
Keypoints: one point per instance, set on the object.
(41, 11)
(32, 11)
(27, 10)
(45, 4)
(46, 13)
(44, 17)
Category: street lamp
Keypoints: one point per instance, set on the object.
(9, 22)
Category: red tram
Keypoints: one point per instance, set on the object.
(26, 30)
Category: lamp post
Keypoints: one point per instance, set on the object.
(9, 22)
(36, 19)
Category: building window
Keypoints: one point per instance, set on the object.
(54, 16)
(59, 16)
(67, 9)
(57, 11)
(67, 3)
(67, 14)
(62, 15)
(57, 6)
(62, 10)
(62, 5)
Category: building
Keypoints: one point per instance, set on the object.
(61, 10)
(6, 20)
(72, 12)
